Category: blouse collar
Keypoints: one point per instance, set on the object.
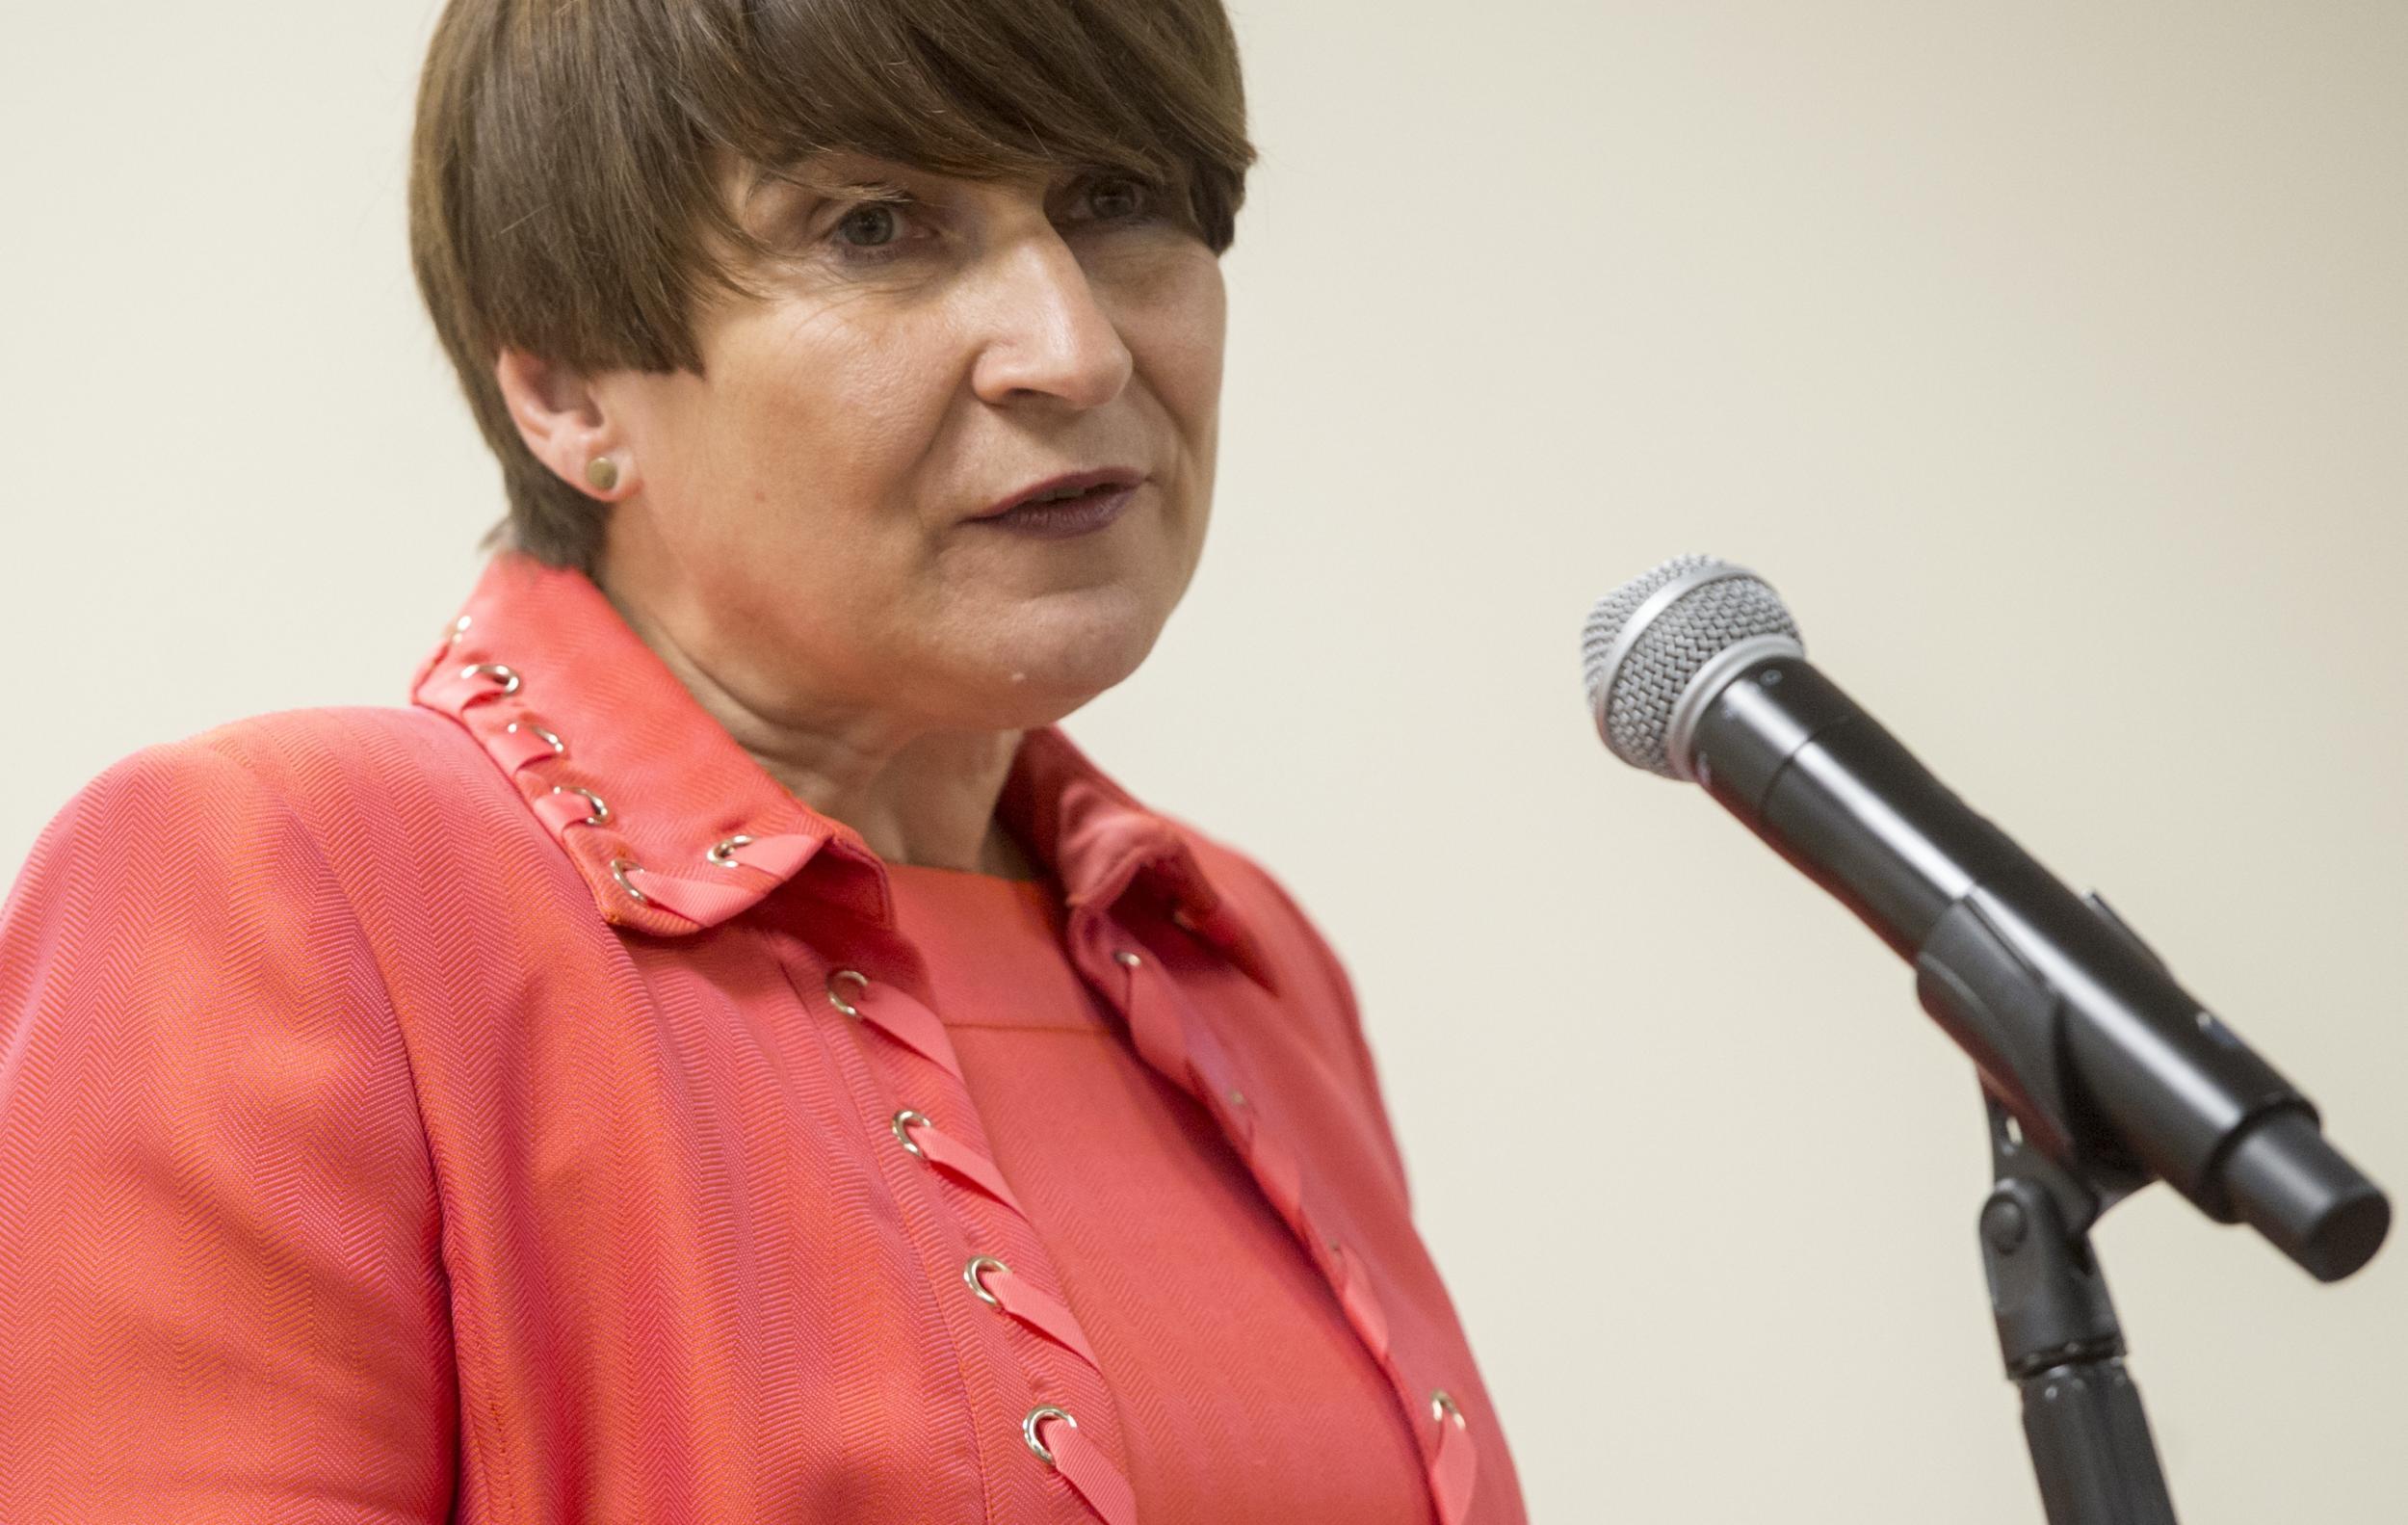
(676, 827)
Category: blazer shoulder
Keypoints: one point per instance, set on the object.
(383, 752)
(301, 756)
(338, 766)
(376, 789)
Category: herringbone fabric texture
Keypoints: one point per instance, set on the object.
(370, 1153)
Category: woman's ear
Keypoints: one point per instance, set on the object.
(565, 425)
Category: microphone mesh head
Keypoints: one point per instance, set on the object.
(1632, 698)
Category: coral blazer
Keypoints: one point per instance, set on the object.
(518, 1109)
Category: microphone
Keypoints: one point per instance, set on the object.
(1695, 672)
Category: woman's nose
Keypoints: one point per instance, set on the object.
(1050, 332)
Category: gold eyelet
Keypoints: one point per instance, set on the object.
(1442, 1405)
(969, 1274)
(618, 872)
(560, 747)
(510, 678)
(1028, 1429)
(600, 814)
(723, 854)
(903, 1120)
(838, 1001)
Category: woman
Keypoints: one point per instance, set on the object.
(721, 1053)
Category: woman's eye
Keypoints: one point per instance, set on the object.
(1135, 200)
(874, 232)
(1121, 196)
(871, 219)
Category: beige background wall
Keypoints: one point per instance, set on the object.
(2050, 359)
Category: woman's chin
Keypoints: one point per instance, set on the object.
(1033, 682)
(1054, 688)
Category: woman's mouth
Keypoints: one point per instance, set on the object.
(1083, 515)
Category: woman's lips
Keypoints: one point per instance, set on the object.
(1083, 515)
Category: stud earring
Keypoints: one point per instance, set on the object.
(603, 472)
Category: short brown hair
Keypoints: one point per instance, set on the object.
(562, 189)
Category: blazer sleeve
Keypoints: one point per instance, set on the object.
(221, 1294)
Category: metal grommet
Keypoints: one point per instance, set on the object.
(1441, 1405)
(598, 816)
(560, 747)
(618, 871)
(1028, 1429)
(725, 852)
(902, 1127)
(969, 1274)
(509, 684)
(1127, 959)
(838, 1001)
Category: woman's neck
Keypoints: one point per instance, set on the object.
(924, 797)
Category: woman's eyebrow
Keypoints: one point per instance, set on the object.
(818, 173)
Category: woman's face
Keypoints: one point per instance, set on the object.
(801, 519)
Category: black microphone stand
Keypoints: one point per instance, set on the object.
(2091, 1450)
(2090, 1444)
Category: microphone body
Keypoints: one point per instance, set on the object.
(2105, 1061)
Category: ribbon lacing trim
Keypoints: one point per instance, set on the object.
(1166, 1041)
(1083, 1463)
(1080, 1462)
(710, 902)
(1156, 1028)
(942, 1149)
(705, 900)
(1025, 1302)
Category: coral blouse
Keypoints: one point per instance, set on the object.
(1182, 1274)
(518, 1109)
